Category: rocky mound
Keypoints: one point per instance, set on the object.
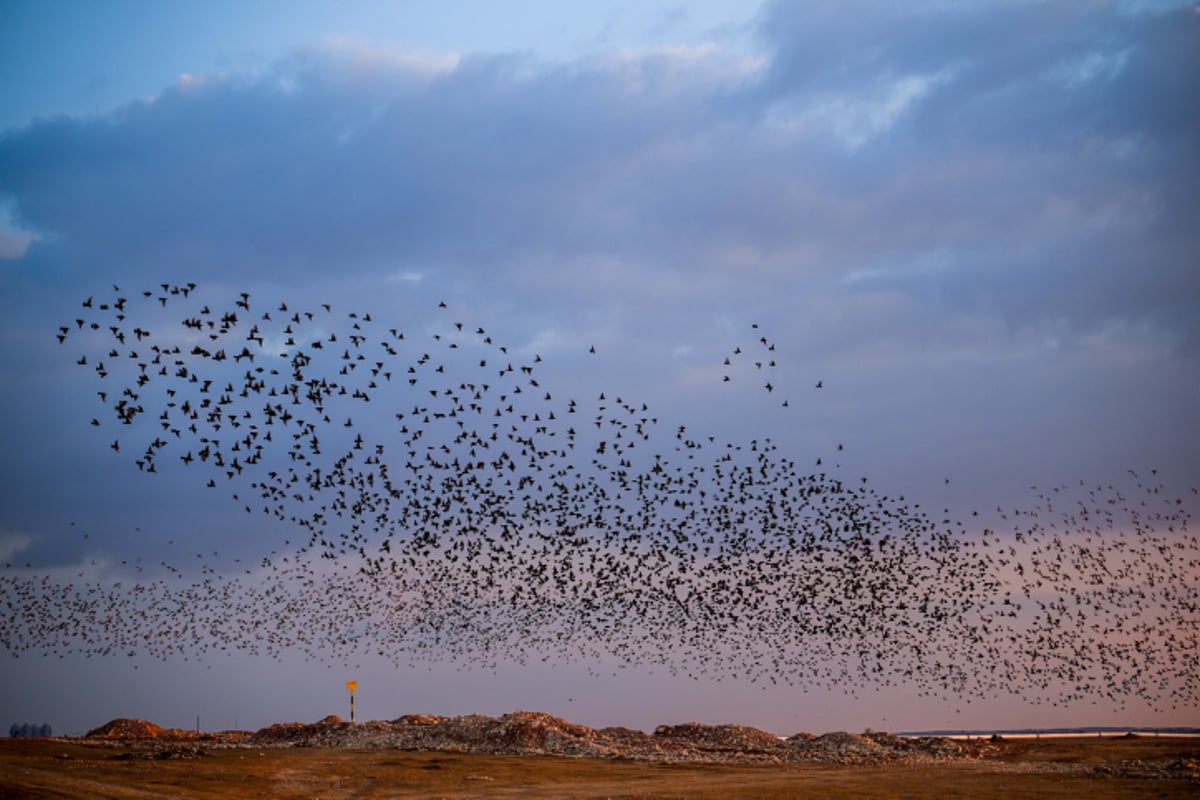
(519, 733)
(172, 753)
(872, 748)
(125, 728)
(533, 733)
(719, 738)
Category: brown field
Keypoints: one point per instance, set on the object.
(1143, 767)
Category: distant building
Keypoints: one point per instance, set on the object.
(27, 731)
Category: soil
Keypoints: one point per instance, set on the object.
(532, 755)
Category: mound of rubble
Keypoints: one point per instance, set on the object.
(1182, 768)
(172, 753)
(533, 733)
(125, 728)
(143, 734)
(719, 738)
(877, 748)
(519, 733)
(529, 733)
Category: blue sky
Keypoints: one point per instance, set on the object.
(975, 226)
(87, 58)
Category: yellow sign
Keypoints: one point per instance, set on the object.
(352, 685)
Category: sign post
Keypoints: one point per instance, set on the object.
(351, 685)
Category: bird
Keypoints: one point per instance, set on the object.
(483, 521)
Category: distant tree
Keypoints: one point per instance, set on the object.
(14, 730)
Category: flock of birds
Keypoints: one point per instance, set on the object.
(450, 503)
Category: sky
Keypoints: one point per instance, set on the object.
(972, 224)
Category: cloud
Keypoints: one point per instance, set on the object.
(1032, 149)
(14, 241)
(12, 542)
(854, 118)
(1043, 151)
(339, 157)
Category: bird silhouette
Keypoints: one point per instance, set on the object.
(480, 513)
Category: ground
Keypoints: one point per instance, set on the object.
(1137, 767)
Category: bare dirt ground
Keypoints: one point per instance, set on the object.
(332, 759)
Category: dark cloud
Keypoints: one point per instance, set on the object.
(1040, 156)
(349, 159)
(1038, 149)
(885, 178)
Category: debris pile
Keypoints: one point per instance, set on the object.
(719, 738)
(125, 728)
(171, 753)
(875, 748)
(533, 733)
(1182, 769)
(530, 733)
(536, 733)
(518, 733)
